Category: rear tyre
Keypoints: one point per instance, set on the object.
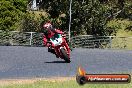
(66, 58)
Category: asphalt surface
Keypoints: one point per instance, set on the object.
(30, 62)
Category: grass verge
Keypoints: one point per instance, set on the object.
(122, 43)
(57, 83)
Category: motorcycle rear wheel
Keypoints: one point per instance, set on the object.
(66, 58)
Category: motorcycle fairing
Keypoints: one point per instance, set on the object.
(56, 39)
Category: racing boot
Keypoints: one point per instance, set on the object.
(56, 55)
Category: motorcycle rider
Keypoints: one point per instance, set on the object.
(50, 32)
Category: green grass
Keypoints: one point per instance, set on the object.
(122, 43)
(123, 40)
(120, 27)
(64, 84)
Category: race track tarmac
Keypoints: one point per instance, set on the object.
(32, 62)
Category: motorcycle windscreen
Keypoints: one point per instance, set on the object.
(56, 39)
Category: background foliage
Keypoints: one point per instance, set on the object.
(11, 13)
(94, 17)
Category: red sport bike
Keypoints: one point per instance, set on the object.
(58, 44)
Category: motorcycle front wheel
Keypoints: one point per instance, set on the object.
(66, 58)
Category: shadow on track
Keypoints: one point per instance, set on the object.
(56, 62)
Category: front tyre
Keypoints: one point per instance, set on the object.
(66, 58)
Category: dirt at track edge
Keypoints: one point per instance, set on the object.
(33, 80)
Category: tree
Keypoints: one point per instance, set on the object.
(88, 16)
(12, 12)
